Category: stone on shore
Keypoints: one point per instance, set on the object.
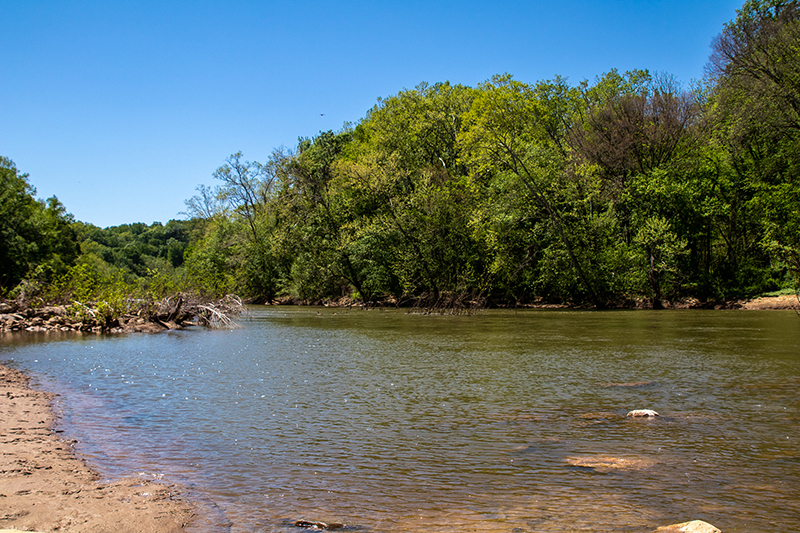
(695, 526)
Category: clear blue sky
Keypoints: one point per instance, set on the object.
(122, 108)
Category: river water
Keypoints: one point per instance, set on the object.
(498, 422)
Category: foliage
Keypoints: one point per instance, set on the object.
(628, 187)
(137, 248)
(33, 233)
(756, 116)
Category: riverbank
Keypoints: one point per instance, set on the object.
(785, 301)
(175, 312)
(781, 302)
(44, 486)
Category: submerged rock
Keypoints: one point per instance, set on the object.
(695, 526)
(310, 524)
(607, 463)
(638, 413)
(632, 384)
(604, 415)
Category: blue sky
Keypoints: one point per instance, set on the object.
(122, 108)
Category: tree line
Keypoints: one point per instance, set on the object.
(48, 257)
(629, 187)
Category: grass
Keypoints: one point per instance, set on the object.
(779, 292)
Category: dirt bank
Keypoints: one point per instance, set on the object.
(45, 487)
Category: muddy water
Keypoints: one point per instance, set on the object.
(501, 421)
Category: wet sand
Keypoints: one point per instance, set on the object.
(44, 486)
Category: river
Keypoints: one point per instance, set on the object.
(499, 421)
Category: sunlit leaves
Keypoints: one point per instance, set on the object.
(35, 235)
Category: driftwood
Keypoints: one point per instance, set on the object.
(176, 311)
(219, 315)
(450, 304)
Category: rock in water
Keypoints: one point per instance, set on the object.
(605, 463)
(695, 526)
(309, 524)
(649, 413)
(632, 384)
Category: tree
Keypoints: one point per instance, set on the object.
(248, 190)
(408, 179)
(512, 128)
(206, 204)
(33, 233)
(320, 236)
(420, 126)
(755, 71)
(755, 62)
(637, 128)
(246, 187)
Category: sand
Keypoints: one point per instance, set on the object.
(44, 486)
(784, 301)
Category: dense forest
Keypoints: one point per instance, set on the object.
(630, 187)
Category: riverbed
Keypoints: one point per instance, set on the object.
(499, 421)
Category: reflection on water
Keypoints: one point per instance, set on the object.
(497, 422)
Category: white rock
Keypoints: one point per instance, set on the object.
(695, 526)
(642, 412)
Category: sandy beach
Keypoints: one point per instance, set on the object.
(44, 486)
(785, 301)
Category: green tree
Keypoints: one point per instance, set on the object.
(247, 190)
(755, 71)
(33, 233)
(324, 264)
(512, 129)
(407, 180)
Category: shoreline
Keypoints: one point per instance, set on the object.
(54, 319)
(45, 486)
(175, 312)
(765, 303)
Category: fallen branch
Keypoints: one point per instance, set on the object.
(214, 318)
